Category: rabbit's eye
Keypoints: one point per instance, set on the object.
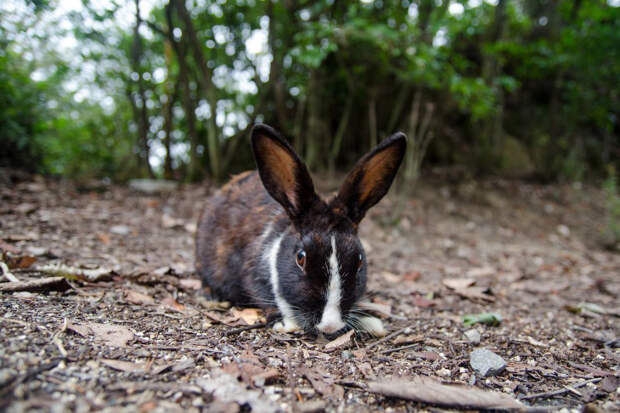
(301, 259)
(360, 262)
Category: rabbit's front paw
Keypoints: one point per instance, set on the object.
(287, 325)
(372, 325)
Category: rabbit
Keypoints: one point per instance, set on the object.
(267, 239)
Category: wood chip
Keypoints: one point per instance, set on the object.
(340, 341)
(426, 390)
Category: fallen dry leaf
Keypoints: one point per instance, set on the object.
(412, 276)
(426, 390)
(249, 315)
(475, 293)
(105, 238)
(22, 262)
(227, 389)
(223, 318)
(134, 297)
(172, 304)
(321, 385)
(458, 283)
(340, 341)
(109, 334)
(126, 366)
(417, 338)
(422, 302)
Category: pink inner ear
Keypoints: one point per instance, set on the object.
(375, 170)
(281, 167)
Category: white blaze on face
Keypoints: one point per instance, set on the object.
(331, 321)
(283, 305)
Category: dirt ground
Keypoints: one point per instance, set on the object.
(126, 328)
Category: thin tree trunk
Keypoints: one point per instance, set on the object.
(339, 136)
(206, 82)
(139, 105)
(189, 106)
(168, 121)
(372, 117)
(275, 73)
(492, 129)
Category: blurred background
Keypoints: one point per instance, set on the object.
(170, 88)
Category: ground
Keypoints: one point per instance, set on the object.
(127, 328)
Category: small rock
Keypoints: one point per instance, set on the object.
(120, 229)
(346, 354)
(473, 336)
(564, 231)
(444, 372)
(486, 363)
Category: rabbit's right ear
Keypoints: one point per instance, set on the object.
(284, 175)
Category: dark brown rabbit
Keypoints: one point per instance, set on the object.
(267, 239)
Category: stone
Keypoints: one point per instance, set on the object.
(486, 363)
(473, 336)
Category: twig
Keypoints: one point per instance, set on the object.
(9, 276)
(56, 339)
(246, 328)
(393, 350)
(295, 395)
(566, 389)
(354, 384)
(386, 338)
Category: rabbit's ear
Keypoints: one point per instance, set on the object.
(371, 178)
(284, 175)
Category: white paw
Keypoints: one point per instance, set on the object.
(372, 325)
(287, 325)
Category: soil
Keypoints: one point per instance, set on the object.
(127, 327)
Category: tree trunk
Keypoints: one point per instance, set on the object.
(491, 140)
(372, 117)
(139, 105)
(206, 83)
(189, 107)
(172, 92)
(275, 74)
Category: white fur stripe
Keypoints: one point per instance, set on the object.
(272, 259)
(331, 320)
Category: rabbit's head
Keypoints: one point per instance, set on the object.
(318, 261)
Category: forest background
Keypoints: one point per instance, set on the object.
(154, 88)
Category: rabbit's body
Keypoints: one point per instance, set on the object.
(267, 239)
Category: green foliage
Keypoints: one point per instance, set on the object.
(23, 113)
(532, 83)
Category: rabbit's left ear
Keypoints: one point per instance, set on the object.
(284, 175)
(371, 178)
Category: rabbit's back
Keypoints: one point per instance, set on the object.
(232, 233)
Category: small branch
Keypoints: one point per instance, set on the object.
(386, 338)
(56, 339)
(393, 350)
(566, 389)
(246, 328)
